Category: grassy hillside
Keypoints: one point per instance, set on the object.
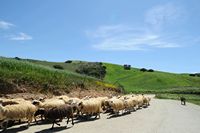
(136, 81)
(24, 76)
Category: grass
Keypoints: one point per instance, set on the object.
(189, 97)
(151, 82)
(40, 77)
(136, 81)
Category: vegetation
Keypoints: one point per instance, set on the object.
(195, 74)
(151, 82)
(18, 74)
(58, 67)
(189, 98)
(143, 69)
(68, 61)
(92, 69)
(137, 81)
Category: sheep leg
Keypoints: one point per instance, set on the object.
(41, 117)
(36, 120)
(57, 123)
(67, 120)
(72, 120)
(6, 125)
(52, 125)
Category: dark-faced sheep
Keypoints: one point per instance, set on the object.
(59, 113)
(183, 100)
(40, 112)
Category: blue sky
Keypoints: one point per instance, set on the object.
(159, 34)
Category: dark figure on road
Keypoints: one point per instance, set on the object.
(183, 101)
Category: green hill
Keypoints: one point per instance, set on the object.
(136, 81)
(18, 75)
(133, 80)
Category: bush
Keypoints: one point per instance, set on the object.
(143, 69)
(104, 67)
(58, 67)
(192, 75)
(150, 70)
(68, 61)
(92, 69)
(17, 58)
(127, 67)
(197, 74)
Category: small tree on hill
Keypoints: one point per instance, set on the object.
(143, 69)
(58, 67)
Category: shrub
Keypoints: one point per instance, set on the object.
(17, 58)
(68, 61)
(92, 69)
(197, 74)
(127, 67)
(192, 75)
(104, 67)
(150, 70)
(58, 67)
(143, 69)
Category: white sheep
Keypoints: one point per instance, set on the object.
(90, 107)
(49, 103)
(5, 102)
(17, 111)
(116, 105)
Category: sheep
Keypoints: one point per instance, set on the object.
(48, 103)
(73, 100)
(90, 107)
(40, 112)
(63, 97)
(130, 103)
(102, 100)
(183, 100)
(116, 105)
(5, 102)
(16, 112)
(140, 100)
(146, 101)
(60, 112)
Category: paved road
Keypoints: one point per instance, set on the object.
(162, 116)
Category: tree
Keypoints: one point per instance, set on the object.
(143, 69)
(58, 67)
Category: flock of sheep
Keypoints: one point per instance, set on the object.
(60, 107)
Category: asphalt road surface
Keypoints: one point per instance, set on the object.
(162, 116)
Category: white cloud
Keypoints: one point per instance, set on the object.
(162, 15)
(129, 38)
(21, 37)
(5, 25)
(150, 34)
